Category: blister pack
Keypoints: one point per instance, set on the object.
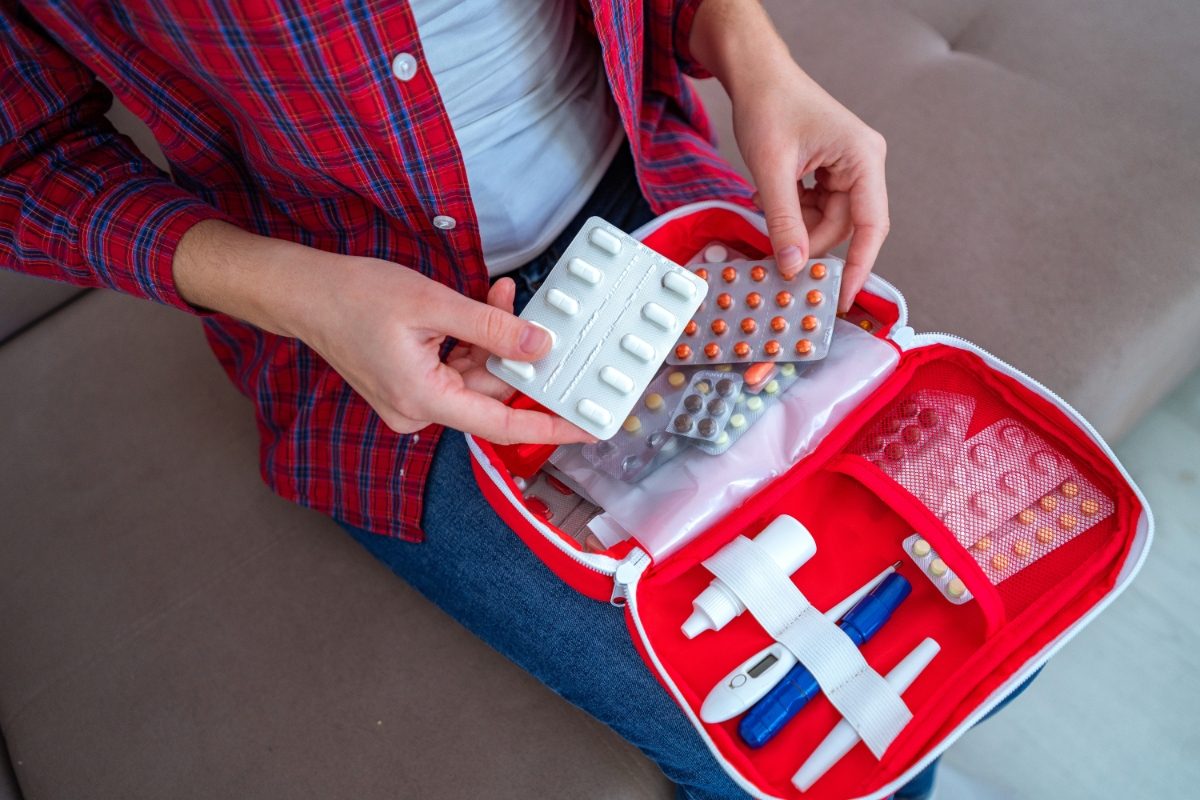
(754, 314)
(1046, 524)
(1004, 468)
(707, 405)
(643, 444)
(936, 570)
(749, 408)
(614, 309)
(551, 500)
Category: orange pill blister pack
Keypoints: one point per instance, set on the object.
(752, 313)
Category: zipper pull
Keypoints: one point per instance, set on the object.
(628, 571)
(903, 337)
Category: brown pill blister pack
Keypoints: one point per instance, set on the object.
(752, 313)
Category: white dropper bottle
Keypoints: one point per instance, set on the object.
(788, 543)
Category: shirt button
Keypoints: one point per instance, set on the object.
(444, 222)
(404, 66)
(416, 438)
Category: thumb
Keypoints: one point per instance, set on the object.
(779, 196)
(494, 329)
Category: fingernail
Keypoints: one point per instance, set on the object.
(533, 339)
(790, 259)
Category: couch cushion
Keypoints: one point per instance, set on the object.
(171, 629)
(1043, 175)
(24, 299)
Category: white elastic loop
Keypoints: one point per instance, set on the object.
(866, 701)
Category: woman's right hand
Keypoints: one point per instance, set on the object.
(380, 326)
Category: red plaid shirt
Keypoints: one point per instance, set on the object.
(284, 117)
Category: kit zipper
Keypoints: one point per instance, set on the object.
(627, 573)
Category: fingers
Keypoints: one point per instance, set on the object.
(834, 225)
(478, 379)
(779, 197)
(502, 294)
(496, 422)
(494, 329)
(869, 214)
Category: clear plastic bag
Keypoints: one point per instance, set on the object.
(669, 507)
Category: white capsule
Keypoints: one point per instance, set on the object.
(584, 271)
(605, 241)
(617, 379)
(594, 412)
(522, 369)
(563, 302)
(657, 315)
(714, 253)
(674, 281)
(637, 347)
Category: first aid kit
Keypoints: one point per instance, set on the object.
(750, 573)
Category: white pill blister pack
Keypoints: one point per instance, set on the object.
(614, 309)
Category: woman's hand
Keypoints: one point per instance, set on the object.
(788, 127)
(381, 326)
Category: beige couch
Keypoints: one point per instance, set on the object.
(170, 629)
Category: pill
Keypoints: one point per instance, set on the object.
(778, 324)
(1070, 489)
(691, 328)
(737, 421)
(1048, 503)
(707, 427)
(772, 387)
(725, 387)
(637, 347)
(921, 548)
(538, 507)
(712, 350)
(682, 423)
(809, 323)
(754, 404)
(724, 300)
(617, 379)
(938, 568)
(741, 349)
(814, 297)
(771, 347)
(719, 327)
(1027, 517)
(928, 418)
(729, 274)
(724, 367)
(594, 412)
(557, 485)
(657, 315)
(702, 387)
(723, 438)
(783, 299)
(758, 372)
(1089, 507)
(716, 407)
(911, 434)
(956, 588)
(559, 299)
(891, 425)
(605, 241)
(758, 273)
(1022, 547)
(803, 347)
(984, 544)
(875, 442)
(715, 252)
(748, 325)
(894, 451)
(702, 274)
(654, 401)
(1045, 535)
(909, 409)
(787, 370)
(693, 403)
(632, 424)
(1068, 521)
(677, 379)
(866, 325)
(522, 369)
(754, 300)
(585, 271)
(818, 271)
(999, 562)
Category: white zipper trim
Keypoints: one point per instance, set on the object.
(605, 565)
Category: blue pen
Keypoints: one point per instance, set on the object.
(768, 716)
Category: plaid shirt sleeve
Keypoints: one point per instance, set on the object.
(78, 202)
(684, 15)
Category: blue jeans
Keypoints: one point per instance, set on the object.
(476, 570)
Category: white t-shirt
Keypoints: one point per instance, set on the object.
(525, 90)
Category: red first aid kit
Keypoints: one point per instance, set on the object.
(1002, 576)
